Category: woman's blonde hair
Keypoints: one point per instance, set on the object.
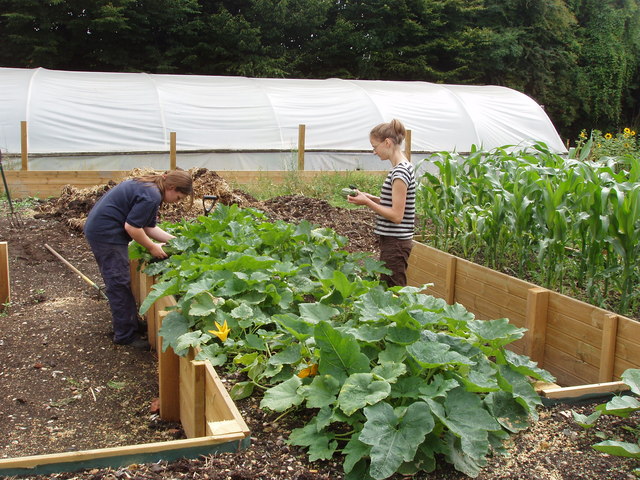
(393, 130)
(179, 180)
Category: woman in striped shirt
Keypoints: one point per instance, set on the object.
(395, 207)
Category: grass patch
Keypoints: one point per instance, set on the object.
(324, 185)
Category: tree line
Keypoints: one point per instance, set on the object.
(580, 59)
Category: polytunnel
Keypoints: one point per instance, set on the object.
(97, 120)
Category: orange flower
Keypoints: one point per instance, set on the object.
(310, 371)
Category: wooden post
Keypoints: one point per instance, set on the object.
(172, 151)
(5, 288)
(450, 282)
(536, 323)
(144, 286)
(301, 138)
(192, 400)
(407, 145)
(608, 351)
(24, 145)
(168, 368)
(135, 280)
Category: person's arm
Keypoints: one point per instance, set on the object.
(158, 234)
(395, 212)
(140, 236)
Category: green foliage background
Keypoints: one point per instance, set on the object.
(578, 58)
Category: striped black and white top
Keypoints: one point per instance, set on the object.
(404, 172)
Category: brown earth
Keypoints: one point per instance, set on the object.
(64, 386)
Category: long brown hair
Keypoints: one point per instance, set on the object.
(393, 130)
(179, 180)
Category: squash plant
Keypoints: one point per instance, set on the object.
(395, 378)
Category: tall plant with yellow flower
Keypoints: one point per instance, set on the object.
(609, 144)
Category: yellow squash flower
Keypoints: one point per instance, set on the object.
(309, 371)
(607, 136)
(222, 331)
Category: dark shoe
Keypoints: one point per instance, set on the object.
(138, 344)
(142, 327)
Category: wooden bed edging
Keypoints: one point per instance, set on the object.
(48, 183)
(115, 457)
(580, 344)
(190, 392)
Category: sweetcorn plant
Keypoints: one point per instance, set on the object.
(395, 379)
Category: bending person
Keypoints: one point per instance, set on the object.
(129, 211)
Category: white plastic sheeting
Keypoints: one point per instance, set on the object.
(239, 123)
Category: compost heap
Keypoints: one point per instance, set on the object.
(73, 206)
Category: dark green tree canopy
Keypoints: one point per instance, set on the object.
(578, 58)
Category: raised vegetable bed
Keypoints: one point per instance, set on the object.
(583, 346)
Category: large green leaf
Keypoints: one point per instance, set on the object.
(321, 444)
(463, 413)
(394, 438)
(520, 387)
(204, 304)
(354, 451)
(509, 413)
(526, 367)
(317, 312)
(435, 354)
(321, 392)
(496, 332)
(340, 354)
(188, 340)
(620, 449)
(462, 457)
(160, 289)
(291, 354)
(283, 396)
(360, 390)
(631, 377)
(174, 325)
(390, 371)
(620, 405)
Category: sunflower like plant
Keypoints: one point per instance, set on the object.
(610, 144)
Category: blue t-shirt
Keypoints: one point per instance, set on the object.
(131, 201)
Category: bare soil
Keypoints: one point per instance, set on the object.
(64, 385)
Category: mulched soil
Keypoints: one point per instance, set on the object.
(64, 386)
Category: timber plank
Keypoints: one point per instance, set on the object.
(218, 403)
(498, 280)
(577, 349)
(487, 310)
(579, 390)
(567, 369)
(192, 396)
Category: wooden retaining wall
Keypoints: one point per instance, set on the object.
(576, 342)
(190, 392)
(44, 183)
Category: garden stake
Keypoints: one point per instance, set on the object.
(14, 218)
(82, 275)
